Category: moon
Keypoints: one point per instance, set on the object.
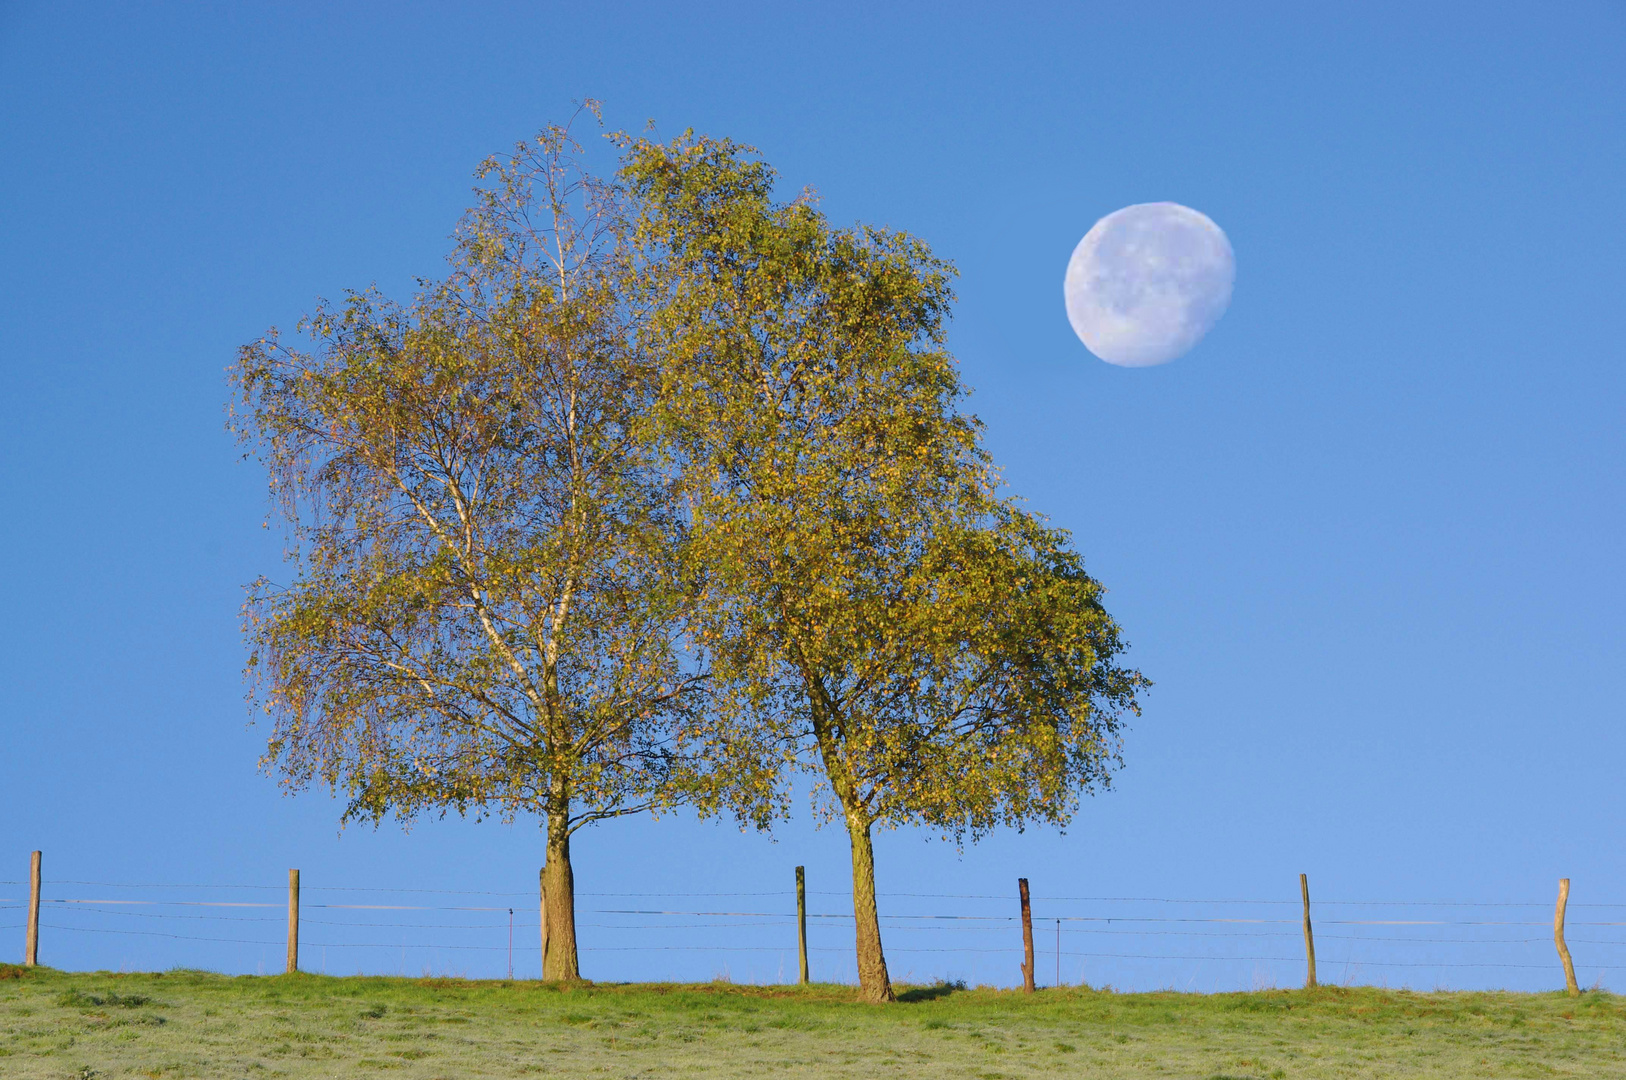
(1147, 282)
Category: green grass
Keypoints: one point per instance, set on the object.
(194, 1024)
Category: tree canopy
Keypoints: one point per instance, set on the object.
(487, 601)
(665, 494)
(873, 610)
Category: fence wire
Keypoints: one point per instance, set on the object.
(1127, 941)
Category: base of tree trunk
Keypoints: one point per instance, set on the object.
(559, 963)
(877, 995)
(874, 984)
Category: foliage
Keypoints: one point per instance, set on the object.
(622, 444)
(872, 609)
(486, 606)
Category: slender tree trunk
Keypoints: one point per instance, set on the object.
(873, 982)
(560, 964)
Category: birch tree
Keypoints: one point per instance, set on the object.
(485, 607)
(874, 612)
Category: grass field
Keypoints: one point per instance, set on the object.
(193, 1024)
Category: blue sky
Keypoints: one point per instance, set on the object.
(1365, 538)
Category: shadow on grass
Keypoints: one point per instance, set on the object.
(916, 994)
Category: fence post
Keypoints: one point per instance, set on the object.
(801, 922)
(31, 947)
(1309, 937)
(1027, 936)
(1558, 937)
(293, 921)
(542, 894)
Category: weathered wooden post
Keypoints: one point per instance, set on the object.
(293, 921)
(31, 945)
(1558, 937)
(1309, 937)
(1027, 936)
(801, 922)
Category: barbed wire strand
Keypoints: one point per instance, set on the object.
(94, 902)
(1351, 962)
(788, 891)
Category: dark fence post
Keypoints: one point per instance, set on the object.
(1027, 936)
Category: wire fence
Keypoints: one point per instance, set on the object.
(1130, 942)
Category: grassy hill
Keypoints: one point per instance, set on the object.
(194, 1024)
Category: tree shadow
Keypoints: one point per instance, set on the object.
(933, 992)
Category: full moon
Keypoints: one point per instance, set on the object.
(1147, 282)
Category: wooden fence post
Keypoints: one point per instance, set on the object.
(31, 948)
(1027, 936)
(293, 921)
(1558, 937)
(1309, 937)
(801, 922)
(542, 894)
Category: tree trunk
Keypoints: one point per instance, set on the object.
(873, 983)
(559, 964)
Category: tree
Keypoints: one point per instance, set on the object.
(486, 610)
(873, 611)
